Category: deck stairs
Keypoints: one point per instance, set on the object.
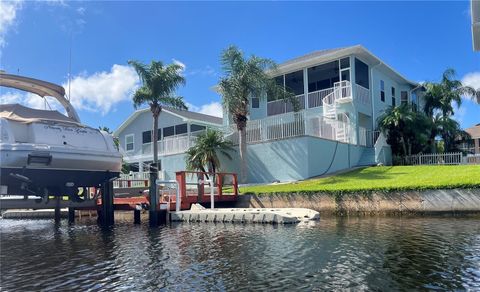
(341, 94)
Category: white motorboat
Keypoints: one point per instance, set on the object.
(43, 152)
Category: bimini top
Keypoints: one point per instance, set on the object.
(20, 113)
(41, 88)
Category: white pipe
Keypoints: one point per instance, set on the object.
(212, 195)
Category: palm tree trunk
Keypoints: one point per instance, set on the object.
(242, 141)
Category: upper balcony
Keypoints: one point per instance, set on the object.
(312, 85)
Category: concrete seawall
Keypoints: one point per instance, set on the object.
(398, 202)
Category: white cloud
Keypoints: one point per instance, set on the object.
(472, 79)
(206, 71)
(181, 64)
(213, 109)
(101, 91)
(8, 14)
(81, 10)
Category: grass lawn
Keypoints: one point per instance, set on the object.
(383, 178)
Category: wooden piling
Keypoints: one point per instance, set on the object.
(136, 216)
(107, 211)
(153, 211)
(71, 215)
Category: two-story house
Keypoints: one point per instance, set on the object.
(341, 94)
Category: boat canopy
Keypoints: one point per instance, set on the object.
(20, 113)
(41, 88)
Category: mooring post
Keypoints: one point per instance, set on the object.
(136, 216)
(152, 191)
(57, 209)
(71, 215)
(107, 204)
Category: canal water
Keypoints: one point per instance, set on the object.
(382, 254)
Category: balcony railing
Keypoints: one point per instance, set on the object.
(171, 145)
(276, 107)
(295, 124)
(362, 94)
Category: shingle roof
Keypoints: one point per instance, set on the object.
(474, 131)
(312, 55)
(196, 116)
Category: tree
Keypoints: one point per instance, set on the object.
(245, 78)
(441, 96)
(159, 84)
(205, 152)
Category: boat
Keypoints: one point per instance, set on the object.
(46, 153)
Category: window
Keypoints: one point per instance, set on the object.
(361, 74)
(414, 102)
(345, 63)
(196, 128)
(323, 76)
(147, 137)
(255, 102)
(382, 90)
(294, 82)
(404, 97)
(393, 96)
(181, 129)
(168, 131)
(129, 142)
(345, 75)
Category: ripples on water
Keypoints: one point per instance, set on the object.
(358, 254)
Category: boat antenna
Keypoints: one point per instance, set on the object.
(70, 67)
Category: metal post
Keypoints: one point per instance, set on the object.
(71, 215)
(57, 209)
(136, 216)
(212, 193)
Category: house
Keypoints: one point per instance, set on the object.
(472, 146)
(340, 93)
(177, 131)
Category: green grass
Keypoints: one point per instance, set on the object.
(385, 178)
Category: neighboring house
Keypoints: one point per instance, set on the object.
(341, 94)
(475, 12)
(472, 146)
(177, 130)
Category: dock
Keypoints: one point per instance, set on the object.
(245, 215)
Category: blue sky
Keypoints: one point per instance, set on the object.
(418, 39)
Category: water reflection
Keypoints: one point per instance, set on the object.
(335, 253)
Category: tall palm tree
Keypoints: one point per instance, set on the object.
(159, 83)
(205, 151)
(245, 78)
(442, 95)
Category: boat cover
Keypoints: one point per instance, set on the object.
(20, 113)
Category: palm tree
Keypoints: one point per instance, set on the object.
(244, 78)
(205, 151)
(442, 95)
(159, 83)
(395, 122)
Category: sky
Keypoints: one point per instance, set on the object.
(419, 39)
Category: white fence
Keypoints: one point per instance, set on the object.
(434, 159)
(296, 124)
(135, 179)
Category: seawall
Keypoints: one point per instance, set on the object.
(373, 203)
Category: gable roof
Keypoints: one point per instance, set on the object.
(314, 58)
(474, 131)
(186, 115)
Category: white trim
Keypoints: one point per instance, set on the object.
(133, 142)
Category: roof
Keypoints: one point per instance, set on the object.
(20, 113)
(314, 58)
(186, 115)
(474, 131)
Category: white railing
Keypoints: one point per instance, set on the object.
(315, 99)
(362, 94)
(293, 125)
(171, 145)
(362, 136)
(135, 180)
(276, 107)
(434, 159)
